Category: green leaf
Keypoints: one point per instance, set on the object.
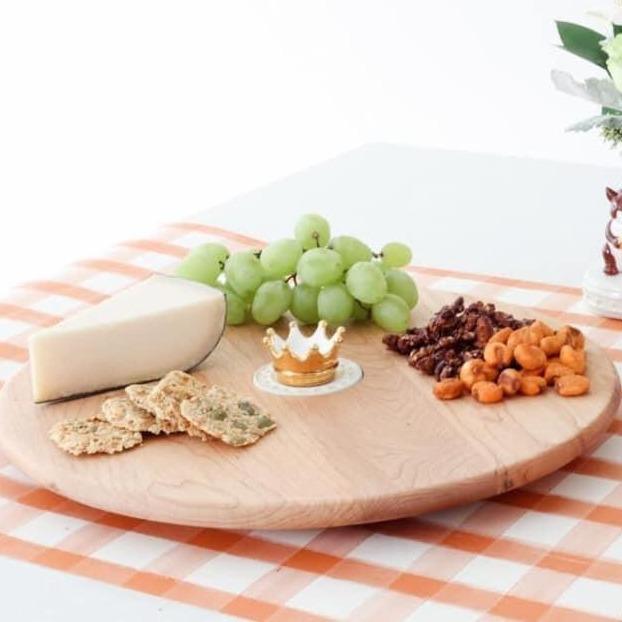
(610, 111)
(583, 42)
(617, 29)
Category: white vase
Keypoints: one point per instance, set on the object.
(602, 293)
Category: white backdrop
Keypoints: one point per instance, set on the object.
(118, 115)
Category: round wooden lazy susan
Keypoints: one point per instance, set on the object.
(382, 449)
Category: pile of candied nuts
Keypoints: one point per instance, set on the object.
(454, 335)
(522, 361)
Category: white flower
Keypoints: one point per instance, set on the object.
(613, 49)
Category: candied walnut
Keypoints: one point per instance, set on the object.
(483, 331)
(390, 340)
(501, 336)
(573, 358)
(532, 385)
(497, 354)
(423, 360)
(509, 380)
(572, 385)
(449, 389)
(471, 372)
(474, 353)
(487, 392)
(573, 336)
(453, 336)
(447, 370)
(555, 370)
(407, 343)
(529, 356)
(552, 344)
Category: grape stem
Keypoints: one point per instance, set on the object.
(292, 277)
(316, 236)
(257, 254)
(377, 255)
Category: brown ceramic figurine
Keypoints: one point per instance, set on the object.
(602, 285)
(612, 240)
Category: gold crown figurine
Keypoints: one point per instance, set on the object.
(301, 361)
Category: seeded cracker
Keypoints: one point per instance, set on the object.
(123, 413)
(139, 393)
(139, 396)
(92, 436)
(165, 399)
(221, 414)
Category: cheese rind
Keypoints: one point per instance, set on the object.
(139, 334)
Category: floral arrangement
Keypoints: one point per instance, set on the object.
(604, 51)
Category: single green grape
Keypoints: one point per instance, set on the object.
(396, 254)
(280, 258)
(360, 312)
(236, 308)
(271, 300)
(401, 284)
(320, 266)
(351, 250)
(312, 231)
(213, 250)
(198, 267)
(244, 273)
(304, 303)
(334, 304)
(366, 282)
(391, 314)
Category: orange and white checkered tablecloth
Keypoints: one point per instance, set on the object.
(551, 551)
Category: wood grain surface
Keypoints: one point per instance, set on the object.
(383, 449)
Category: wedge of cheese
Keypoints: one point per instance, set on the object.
(139, 334)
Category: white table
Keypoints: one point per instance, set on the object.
(517, 217)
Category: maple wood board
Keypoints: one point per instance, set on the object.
(383, 449)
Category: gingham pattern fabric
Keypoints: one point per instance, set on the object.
(551, 551)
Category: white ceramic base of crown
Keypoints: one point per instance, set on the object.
(603, 293)
(347, 375)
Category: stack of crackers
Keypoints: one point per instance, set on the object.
(178, 403)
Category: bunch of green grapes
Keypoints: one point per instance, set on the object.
(312, 276)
